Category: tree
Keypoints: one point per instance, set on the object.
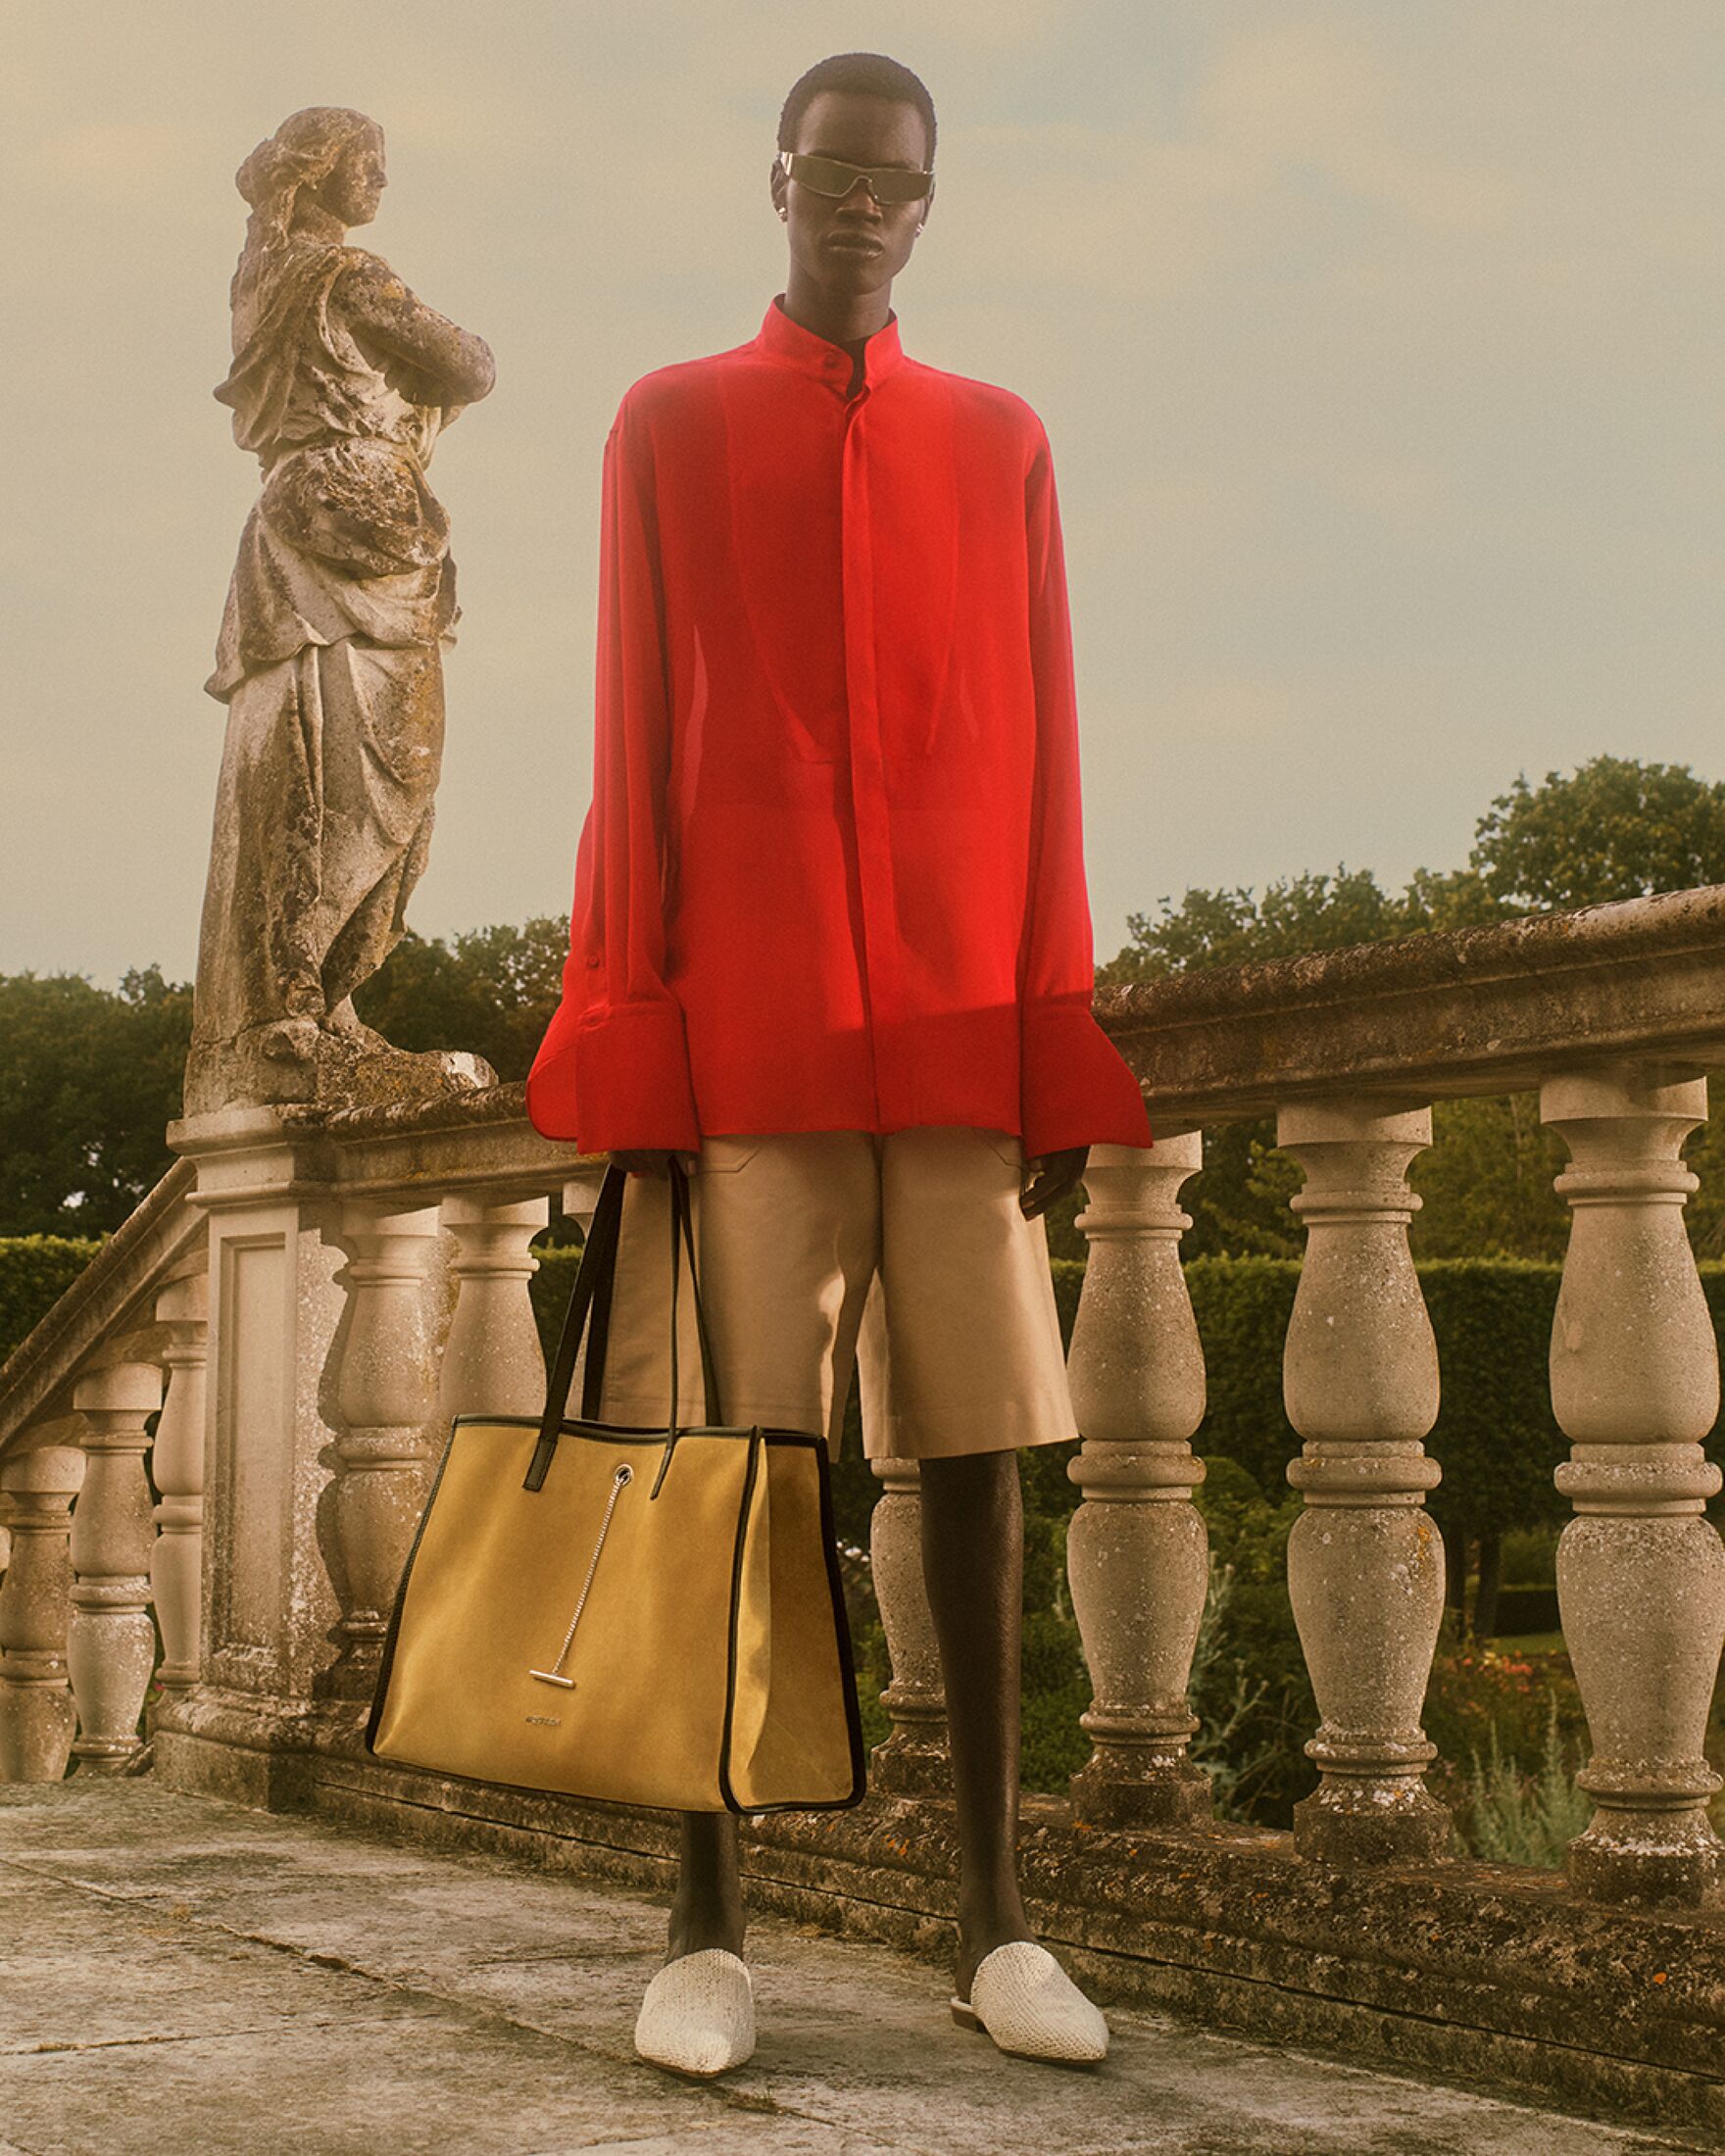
(1296, 913)
(1612, 829)
(1485, 1183)
(492, 991)
(89, 1080)
(90, 1077)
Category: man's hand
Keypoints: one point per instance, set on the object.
(654, 1160)
(1049, 1177)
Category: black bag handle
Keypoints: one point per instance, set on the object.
(682, 1232)
(591, 1295)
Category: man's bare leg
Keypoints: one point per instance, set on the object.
(973, 1563)
(706, 1909)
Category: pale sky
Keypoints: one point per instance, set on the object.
(1379, 346)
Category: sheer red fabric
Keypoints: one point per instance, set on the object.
(832, 876)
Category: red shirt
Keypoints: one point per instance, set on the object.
(832, 877)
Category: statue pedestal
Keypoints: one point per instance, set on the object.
(327, 1310)
(272, 1429)
(300, 1061)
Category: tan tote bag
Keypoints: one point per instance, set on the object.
(646, 1616)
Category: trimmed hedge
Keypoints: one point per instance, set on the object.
(1495, 1437)
(35, 1271)
(1242, 1306)
(1495, 1434)
(1527, 1609)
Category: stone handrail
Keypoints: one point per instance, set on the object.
(1459, 1012)
(109, 1299)
(352, 1279)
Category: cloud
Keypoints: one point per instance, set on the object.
(1377, 344)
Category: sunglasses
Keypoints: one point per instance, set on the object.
(830, 175)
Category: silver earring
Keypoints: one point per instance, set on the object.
(919, 228)
(784, 215)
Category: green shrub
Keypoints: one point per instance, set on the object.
(1249, 1689)
(1495, 1435)
(35, 1271)
(1522, 1611)
(1509, 1816)
(1530, 1558)
(1479, 1697)
(1056, 1692)
(1242, 1306)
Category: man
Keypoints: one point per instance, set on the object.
(831, 941)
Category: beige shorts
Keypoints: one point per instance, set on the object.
(903, 1256)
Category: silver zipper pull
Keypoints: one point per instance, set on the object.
(626, 1473)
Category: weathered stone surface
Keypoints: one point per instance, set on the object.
(914, 1759)
(1137, 1552)
(1365, 1565)
(1447, 1967)
(330, 659)
(1488, 1970)
(37, 1716)
(1640, 1571)
(1464, 1012)
(231, 1981)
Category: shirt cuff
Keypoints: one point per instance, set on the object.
(1075, 1089)
(618, 1081)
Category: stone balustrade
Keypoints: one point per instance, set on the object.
(1614, 1014)
(281, 1336)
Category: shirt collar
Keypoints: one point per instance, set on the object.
(781, 338)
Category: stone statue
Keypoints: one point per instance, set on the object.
(329, 658)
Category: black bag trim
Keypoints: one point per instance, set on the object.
(592, 1296)
(730, 1660)
(638, 1434)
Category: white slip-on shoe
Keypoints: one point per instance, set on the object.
(698, 2014)
(1023, 1999)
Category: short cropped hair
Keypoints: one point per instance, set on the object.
(864, 74)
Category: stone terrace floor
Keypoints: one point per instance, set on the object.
(180, 1974)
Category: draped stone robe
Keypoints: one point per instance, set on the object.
(328, 660)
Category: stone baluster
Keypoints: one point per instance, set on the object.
(111, 1641)
(914, 1757)
(1137, 1552)
(385, 1397)
(492, 1362)
(580, 1193)
(1365, 1563)
(913, 1760)
(1640, 1572)
(176, 1460)
(37, 1717)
